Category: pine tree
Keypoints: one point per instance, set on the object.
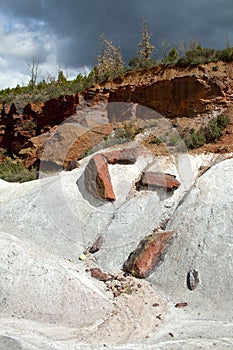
(61, 79)
(172, 57)
(110, 62)
(145, 48)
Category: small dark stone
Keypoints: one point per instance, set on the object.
(155, 305)
(99, 275)
(192, 279)
(182, 304)
(97, 245)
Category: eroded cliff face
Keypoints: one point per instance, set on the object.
(179, 97)
(172, 92)
(176, 92)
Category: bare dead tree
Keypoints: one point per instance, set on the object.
(145, 49)
(227, 42)
(32, 70)
(110, 62)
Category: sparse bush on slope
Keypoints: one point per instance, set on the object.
(14, 171)
(211, 133)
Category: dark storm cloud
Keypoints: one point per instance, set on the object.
(78, 24)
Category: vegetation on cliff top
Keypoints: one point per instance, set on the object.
(109, 65)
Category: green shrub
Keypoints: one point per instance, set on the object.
(172, 57)
(222, 121)
(14, 171)
(46, 90)
(211, 133)
(225, 55)
(199, 55)
(195, 139)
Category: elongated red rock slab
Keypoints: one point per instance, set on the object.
(151, 180)
(123, 156)
(148, 254)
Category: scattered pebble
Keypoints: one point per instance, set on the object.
(183, 304)
(192, 279)
(155, 305)
(101, 276)
(82, 257)
(97, 245)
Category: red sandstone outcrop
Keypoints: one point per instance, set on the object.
(170, 91)
(175, 91)
(56, 110)
(88, 140)
(186, 96)
(35, 120)
(148, 254)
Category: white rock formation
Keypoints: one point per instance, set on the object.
(47, 221)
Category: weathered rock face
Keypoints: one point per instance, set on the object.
(32, 154)
(97, 178)
(72, 164)
(44, 288)
(14, 137)
(192, 267)
(34, 120)
(152, 180)
(67, 144)
(149, 253)
(185, 96)
(88, 139)
(56, 110)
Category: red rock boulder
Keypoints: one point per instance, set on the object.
(148, 254)
(124, 156)
(97, 178)
(152, 180)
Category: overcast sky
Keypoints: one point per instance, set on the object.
(64, 33)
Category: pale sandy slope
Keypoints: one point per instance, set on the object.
(37, 278)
